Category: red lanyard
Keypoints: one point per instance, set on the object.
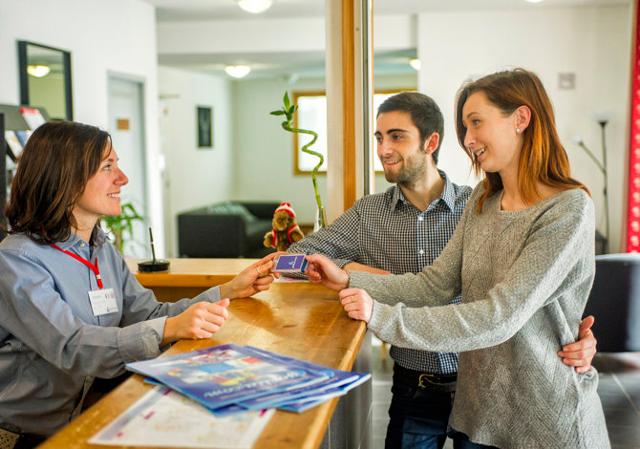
(84, 262)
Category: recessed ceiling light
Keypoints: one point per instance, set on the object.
(534, 1)
(38, 71)
(237, 71)
(255, 6)
(415, 64)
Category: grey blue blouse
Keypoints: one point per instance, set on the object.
(51, 344)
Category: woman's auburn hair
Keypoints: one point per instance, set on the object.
(543, 158)
(53, 169)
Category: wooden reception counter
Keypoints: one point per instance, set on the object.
(188, 277)
(296, 319)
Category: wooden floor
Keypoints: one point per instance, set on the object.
(619, 390)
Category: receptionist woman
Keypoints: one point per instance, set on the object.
(70, 310)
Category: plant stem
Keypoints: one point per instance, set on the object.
(314, 172)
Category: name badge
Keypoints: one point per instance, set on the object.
(103, 301)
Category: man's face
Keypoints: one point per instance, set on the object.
(403, 158)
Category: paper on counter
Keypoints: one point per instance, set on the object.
(165, 418)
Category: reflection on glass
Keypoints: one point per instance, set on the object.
(44, 75)
(46, 80)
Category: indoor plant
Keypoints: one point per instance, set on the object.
(288, 110)
(118, 225)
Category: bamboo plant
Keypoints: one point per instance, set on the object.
(288, 110)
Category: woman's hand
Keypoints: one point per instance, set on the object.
(255, 278)
(357, 303)
(323, 271)
(581, 353)
(200, 320)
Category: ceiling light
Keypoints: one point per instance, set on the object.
(38, 71)
(534, 1)
(255, 6)
(237, 71)
(415, 64)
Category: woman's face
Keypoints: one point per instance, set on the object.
(101, 195)
(491, 136)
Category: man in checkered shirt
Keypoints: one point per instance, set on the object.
(403, 230)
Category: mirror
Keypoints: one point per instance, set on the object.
(45, 79)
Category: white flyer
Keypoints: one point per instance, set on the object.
(165, 418)
(32, 116)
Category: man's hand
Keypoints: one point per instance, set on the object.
(322, 270)
(200, 320)
(581, 353)
(355, 266)
(357, 303)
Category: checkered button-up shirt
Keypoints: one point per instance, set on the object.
(385, 231)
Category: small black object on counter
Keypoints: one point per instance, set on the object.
(154, 264)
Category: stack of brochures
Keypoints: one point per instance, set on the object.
(230, 378)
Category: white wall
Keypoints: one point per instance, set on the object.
(592, 42)
(264, 151)
(115, 36)
(194, 176)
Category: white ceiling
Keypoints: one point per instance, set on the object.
(311, 64)
(290, 65)
(173, 10)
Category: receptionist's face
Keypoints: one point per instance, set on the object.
(101, 195)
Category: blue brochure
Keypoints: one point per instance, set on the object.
(223, 375)
(337, 384)
(318, 397)
(230, 379)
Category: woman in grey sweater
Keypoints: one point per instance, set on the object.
(523, 258)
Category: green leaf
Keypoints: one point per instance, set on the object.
(286, 101)
(277, 112)
(123, 224)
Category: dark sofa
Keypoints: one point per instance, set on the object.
(615, 302)
(229, 229)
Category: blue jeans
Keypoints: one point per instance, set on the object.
(419, 418)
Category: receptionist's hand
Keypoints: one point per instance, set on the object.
(200, 320)
(255, 278)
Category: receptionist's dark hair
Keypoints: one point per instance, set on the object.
(52, 172)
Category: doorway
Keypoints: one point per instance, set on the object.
(126, 125)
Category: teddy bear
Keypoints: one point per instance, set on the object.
(285, 229)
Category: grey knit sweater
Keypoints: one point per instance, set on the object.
(525, 277)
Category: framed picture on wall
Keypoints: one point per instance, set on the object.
(204, 120)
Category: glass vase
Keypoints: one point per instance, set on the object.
(320, 220)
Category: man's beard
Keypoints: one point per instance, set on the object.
(413, 169)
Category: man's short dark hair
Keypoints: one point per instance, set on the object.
(425, 114)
